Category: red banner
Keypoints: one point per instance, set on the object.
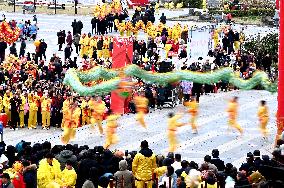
(122, 52)
(122, 56)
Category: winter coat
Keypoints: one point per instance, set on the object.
(69, 178)
(128, 178)
(64, 156)
(3, 46)
(30, 177)
(76, 39)
(69, 39)
(242, 183)
(18, 181)
(88, 184)
(83, 171)
(165, 178)
(13, 51)
(33, 29)
(47, 174)
(144, 164)
(218, 163)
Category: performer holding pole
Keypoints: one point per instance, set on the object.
(72, 119)
(173, 124)
(192, 110)
(98, 108)
(111, 126)
(233, 115)
(263, 116)
(141, 104)
(65, 108)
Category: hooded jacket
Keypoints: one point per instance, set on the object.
(144, 164)
(127, 175)
(64, 156)
(47, 174)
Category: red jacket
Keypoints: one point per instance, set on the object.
(18, 181)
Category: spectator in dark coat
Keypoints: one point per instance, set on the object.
(42, 49)
(242, 181)
(94, 24)
(67, 52)
(163, 18)
(226, 43)
(30, 174)
(74, 26)
(84, 168)
(3, 46)
(22, 47)
(93, 180)
(257, 160)
(184, 168)
(69, 39)
(79, 27)
(13, 50)
(249, 165)
(266, 63)
(217, 161)
(61, 39)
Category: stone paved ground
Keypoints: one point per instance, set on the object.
(212, 131)
(212, 119)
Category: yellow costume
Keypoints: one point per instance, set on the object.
(215, 38)
(160, 171)
(85, 113)
(22, 113)
(111, 126)
(68, 178)
(106, 48)
(173, 124)
(45, 111)
(192, 109)
(48, 175)
(263, 116)
(84, 42)
(32, 122)
(72, 118)
(141, 104)
(87, 41)
(65, 108)
(143, 168)
(7, 105)
(98, 109)
(233, 113)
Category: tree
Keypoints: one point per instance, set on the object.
(262, 46)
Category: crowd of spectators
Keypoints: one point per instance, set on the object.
(43, 165)
(34, 73)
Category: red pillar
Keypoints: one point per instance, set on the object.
(280, 113)
(121, 57)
